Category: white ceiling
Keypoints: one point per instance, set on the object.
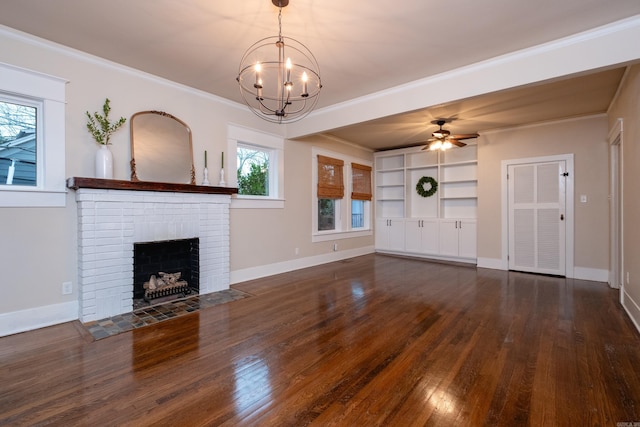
(362, 46)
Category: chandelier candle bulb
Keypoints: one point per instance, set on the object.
(205, 158)
(222, 162)
(288, 70)
(258, 67)
(304, 84)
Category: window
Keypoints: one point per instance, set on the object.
(18, 142)
(330, 191)
(32, 138)
(253, 171)
(338, 214)
(357, 213)
(360, 194)
(327, 214)
(258, 171)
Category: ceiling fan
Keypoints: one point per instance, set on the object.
(442, 139)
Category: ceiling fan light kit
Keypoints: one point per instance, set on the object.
(279, 77)
(442, 139)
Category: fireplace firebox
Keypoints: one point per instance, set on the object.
(175, 261)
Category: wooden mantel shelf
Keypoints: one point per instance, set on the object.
(76, 183)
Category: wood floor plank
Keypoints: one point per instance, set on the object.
(375, 340)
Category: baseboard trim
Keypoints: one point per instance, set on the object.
(38, 317)
(492, 263)
(594, 274)
(252, 273)
(632, 309)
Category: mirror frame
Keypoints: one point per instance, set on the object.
(134, 172)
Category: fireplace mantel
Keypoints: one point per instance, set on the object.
(76, 183)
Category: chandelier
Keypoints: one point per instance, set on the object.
(279, 77)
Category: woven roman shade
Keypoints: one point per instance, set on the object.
(330, 182)
(361, 182)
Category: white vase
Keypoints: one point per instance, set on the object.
(104, 163)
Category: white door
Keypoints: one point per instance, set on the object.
(537, 223)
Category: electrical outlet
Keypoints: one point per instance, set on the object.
(627, 277)
(296, 251)
(335, 247)
(67, 288)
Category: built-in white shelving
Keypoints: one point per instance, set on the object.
(430, 224)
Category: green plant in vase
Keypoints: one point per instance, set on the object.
(100, 127)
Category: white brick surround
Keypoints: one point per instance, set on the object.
(111, 221)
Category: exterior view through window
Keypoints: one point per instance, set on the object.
(253, 171)
(17, 144)
(357, 213)
(326, 214)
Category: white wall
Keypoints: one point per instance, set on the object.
(268, 238)
(38, 246)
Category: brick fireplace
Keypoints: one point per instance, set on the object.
(118, 214)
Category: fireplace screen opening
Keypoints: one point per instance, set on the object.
(165, 270)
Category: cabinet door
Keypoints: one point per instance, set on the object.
(382, 234)
(430, 236)
(467, 232)
(413, 235)
(389, 234)
(396, 235)
(449, 237)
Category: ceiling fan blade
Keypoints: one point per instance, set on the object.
(456, 142)
(464, 136)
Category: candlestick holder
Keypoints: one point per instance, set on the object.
(205, 178)
(222, 183)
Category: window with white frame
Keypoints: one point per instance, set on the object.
(338, 213)
(19, 132)
(257, 168)
(32, 145)
(253, 173)
(360, 195)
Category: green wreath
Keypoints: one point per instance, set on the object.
(420, 186)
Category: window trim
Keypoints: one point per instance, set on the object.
(345, 202)
(275, 144)
(31, 86)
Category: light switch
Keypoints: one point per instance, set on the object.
(583, 198)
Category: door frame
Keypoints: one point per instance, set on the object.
(569, 208)
(616, 197)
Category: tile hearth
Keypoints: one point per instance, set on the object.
(150, 315)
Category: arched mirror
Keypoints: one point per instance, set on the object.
(161, 149)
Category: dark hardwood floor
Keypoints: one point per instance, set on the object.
(371, 341)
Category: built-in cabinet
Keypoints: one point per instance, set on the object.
(458, 238)
(422, 236)
(389, 234)
(442, 225)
